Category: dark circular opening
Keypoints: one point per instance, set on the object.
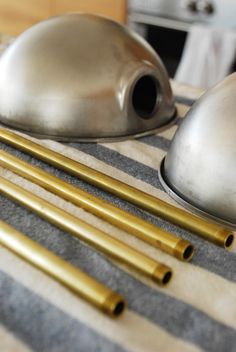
(167, 277)
(229, 240)
(145, 96)
(120, 306)
(188, 252)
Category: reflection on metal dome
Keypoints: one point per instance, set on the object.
(83, 77)
(200, 167)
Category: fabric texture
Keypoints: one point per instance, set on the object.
(195, 312)
(208, 56)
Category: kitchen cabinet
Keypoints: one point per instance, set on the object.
(16, 16)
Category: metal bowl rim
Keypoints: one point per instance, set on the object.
(162, 128)
(188, 205)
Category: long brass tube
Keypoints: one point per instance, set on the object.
(157, 271)
(76, 280)
(209, 231)
(146, 231)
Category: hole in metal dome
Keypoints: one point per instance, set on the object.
(145, 96)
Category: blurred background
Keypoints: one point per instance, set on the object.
(196, 39)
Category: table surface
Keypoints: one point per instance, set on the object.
(195, 312)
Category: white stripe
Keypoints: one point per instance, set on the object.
(182, 109)
(193, 285)
(131, 331)
(169, 133)
(10, 343)
(186, 90)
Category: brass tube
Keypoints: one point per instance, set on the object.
(82, 284)
(209, 231)
(146, 231)
(157, 271)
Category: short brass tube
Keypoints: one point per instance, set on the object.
(153, 269)
(82, 284)
(142, 229)
(209, 231)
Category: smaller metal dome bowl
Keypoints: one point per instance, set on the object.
(199, 170)
(83, 77)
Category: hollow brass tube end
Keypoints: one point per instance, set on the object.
(224, 238)
(114, 305)
(162, 274)
(184, 250)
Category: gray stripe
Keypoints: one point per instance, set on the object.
(183, 100)
(178, 318)
(156, 141)
(42, 326)
(179, 121)
(113, 158)
(208, 255)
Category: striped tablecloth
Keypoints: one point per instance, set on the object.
(197, 311)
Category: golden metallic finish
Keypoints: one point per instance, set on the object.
(146, 231)
(157, 271)
(85, 286)
(200, 226)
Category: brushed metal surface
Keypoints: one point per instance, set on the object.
(200, 166)
(207, 230)
(107, 244)
(124, 220)
(70, 276)
(79, 77)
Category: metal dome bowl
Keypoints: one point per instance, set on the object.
(83, 77)
(199, 170)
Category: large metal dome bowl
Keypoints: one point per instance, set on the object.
(200, 167)
(83, 77)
